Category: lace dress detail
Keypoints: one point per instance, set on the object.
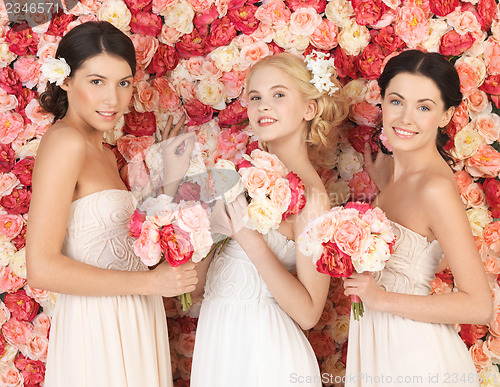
(109, 340)
(385, 349)
(244, 338)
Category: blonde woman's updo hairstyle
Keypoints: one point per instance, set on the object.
(332, 109)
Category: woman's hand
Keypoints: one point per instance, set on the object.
(381, 169)
(168, 281)
(364, 286)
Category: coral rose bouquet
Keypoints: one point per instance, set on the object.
(274, 193)
(176, 232)
(357, 237)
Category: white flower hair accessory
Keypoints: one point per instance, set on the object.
(320, 67)
(55, 70)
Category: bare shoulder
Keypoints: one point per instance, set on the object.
(317, 200)
(437, 187)
(64, 138)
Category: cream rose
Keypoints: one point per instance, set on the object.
(117, 13)
(467, 142)
(18, 263)
(339, 12)
(478, 219)
(212, 92)
(262, 216)
(353, 38)
(225, 57)
(180, 16)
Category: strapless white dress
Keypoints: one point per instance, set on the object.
(244, 338)
(388, 350)
(106, 341)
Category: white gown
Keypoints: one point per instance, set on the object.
(106, 341)
(244, 338)
(385, 349)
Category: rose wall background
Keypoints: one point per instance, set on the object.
(192, 58)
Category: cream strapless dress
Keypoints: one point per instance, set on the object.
(112, 341)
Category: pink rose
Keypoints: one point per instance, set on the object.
(485, 162)
(9, 81)
(443, 7)
(33, 371)
(176, 244)
(368, 12)
(233, 114)
(22, 42)
(233, 82)
(185, 344)
(197, 112)
(281, 195)
(322, 343)
(145, 23)
(230, 143)
(491, 235)
(438, 286)
(10, 282)
(495, 322)
(136, 6)
(41, 325)
(491, 189)
(192, 216)
(8, 181)
(146, 97)
(28, 70)
(222, 32)
(17, 332)
(135, 223)
(256, 181)
(318, 5)
(59, 23)
(7, 158)
(21, 306)
(147, 246)
(352, 237)
(269, 162)
(454, 44)
(476, 101)
(364, 113)
(471, 333)
(473, 196)
(17, 202)
(188, 191)
(487, 11)
(480, 354)
(7, 101)
(327, 317)
(165, 59)
(169, 100)
(252, 53)
(140, 124)
(412, 25)
(36, 347)
(361, 207)
(325, 35)
(23, 170)
(492, 265)
(202, 20)
(274, 13)
(131, 146)
(362, 187)
(11, 125)
(298, 198)
(243, 18)
(11, 377)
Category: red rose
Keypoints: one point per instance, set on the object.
(334, 262)
(165, 59)
(368, 12)
(470, 333)
(222, 32)
(33, 371)
(21, 306)
(487, 11)
(193, 44)
(491, 85)
(9, 81)
(188, 324)
(59, 23)
(388, 39)
(343, 359)
(139, 5)
(275, 49)
(345, 64)
(197, 112)
(140, 124)
(443, 7)
(491, 189)
(237, 4)
(23, 170)
(318, 5)
(244, 19)
(145, 23)
(360, 135)
(176, 244)
(17, 202)
(203, 20)
(370, 61)
(298, 200)
(452, 43)
(20, 240)
(446, 276)
(233, 114)
(7, 158)
(251, 146)
(24, 42)
(188, 191)
(135, 223)
(359, 206)
(451, 131)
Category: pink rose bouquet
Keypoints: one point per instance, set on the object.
(356, 237)
(176, 232)
(274, 193)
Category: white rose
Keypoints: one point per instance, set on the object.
(225, 57)
(28, 150)
(353, 38)
(340, 329)
(55, 70)
(180, 16)
(117, 13)
(111, 136)
(211, 92)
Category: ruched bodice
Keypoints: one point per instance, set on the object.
(97, 231)
(413, 264)
(244, 337)
(233, 277)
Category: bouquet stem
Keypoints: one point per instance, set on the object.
(186, 301)
(357, 307)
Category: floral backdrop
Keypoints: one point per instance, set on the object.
(192, 58)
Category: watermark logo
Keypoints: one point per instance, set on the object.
(23, 14)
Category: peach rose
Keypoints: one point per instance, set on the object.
(41, 325)
(491, 235)
(466, 22)
(201, 5)
(263, 33)
(480, 354)
(492, 264)
(8, 181)
(12, 126)
(46, 50)
(256, 181)
(438, 286)
(130, 146)
(168, 99)
(252, 53)
(322, 343)
(473, 196)
(461, 116)
(476, 102)
(328, 316)
(11, 377)
(7, 101)
(364, 113)
(146, 97)
(281, 195)
(37, 115)
(488, 125)
(39, 295)
(169, 35)
(36, 347)
(472, 72)
(11, 225)
(28, 70)
(17, 332)
(275, 13)
(184, 367)
(304, 21)
(491, 57)
(185, 344)
(412, 25)
(160, 6)
(145, 48)
(485, 162)
(325, 35)
(4, 314)
(340, 329)
(352, 237)
(210, 70)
